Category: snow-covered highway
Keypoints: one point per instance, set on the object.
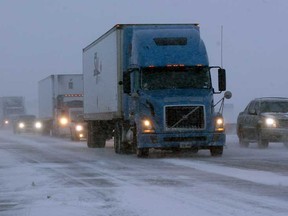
(54, 176)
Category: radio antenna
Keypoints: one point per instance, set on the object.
(221, 46)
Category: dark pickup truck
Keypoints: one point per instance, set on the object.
(264, 120)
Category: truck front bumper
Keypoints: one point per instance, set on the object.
(181, 140)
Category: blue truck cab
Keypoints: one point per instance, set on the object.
(165, 93)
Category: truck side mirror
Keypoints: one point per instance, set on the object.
(127, 83)
(221, 79)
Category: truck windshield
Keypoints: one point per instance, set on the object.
(175, 78)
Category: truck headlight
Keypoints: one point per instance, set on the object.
(147, 126)
(270, 122)
(63, 121)
(79, 128)
(219, 124)
(38, 125)
(21, 125)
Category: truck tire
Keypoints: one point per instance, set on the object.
(216, 151)
(120, 147)
(95, 137)
(140, 152)
(99, 140)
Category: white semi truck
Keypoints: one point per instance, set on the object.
(60, 102)
(10, 107)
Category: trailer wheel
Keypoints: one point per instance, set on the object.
(99, 140)
(142, 152)
(216, 151)
(95, 137)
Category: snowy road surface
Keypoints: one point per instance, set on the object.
(41, 176)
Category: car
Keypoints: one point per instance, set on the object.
(264, 120)
(26, 123)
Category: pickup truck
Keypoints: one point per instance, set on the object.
(264, 120)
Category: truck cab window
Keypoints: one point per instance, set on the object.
(175, 78)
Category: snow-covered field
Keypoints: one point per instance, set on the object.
(50, 176)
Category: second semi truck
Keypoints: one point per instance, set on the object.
(60, 102)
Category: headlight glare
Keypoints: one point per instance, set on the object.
(147, 126)
(38, 125)
(21, 125)
(219, 124)
(79, 127)
(63, 121)
(270, 122)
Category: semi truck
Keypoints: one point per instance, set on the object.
(10, 107)
(149, 87)
(60, 103)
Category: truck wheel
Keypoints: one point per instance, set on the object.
(142, 152)
(120, 147)
(216, 151)
(99, 140)
(95, 137)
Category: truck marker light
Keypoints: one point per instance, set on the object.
(175, 65)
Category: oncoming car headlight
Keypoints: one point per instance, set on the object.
(38, 125)
(79, 128)
(219, 124)
(147, 126)
(270, 122)
(21, 125)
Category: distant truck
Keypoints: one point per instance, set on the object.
(60, 102)
(10, 107)
(149, 86)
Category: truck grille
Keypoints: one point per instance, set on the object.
(184, 117)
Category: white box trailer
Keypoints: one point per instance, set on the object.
(101, 68)
(60, 96)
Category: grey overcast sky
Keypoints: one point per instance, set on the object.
(43, 37)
